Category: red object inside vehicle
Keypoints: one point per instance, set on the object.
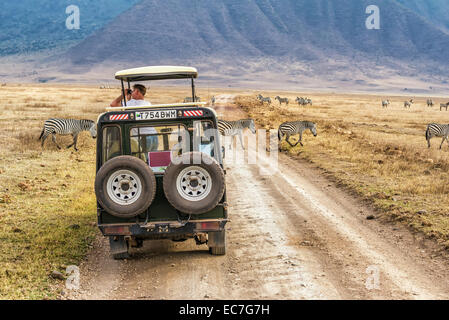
(159, 159)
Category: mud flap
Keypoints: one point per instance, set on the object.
(118, 246)
(217, 242)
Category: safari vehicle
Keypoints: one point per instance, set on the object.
(160, 170)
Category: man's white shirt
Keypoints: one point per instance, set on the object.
(137, 103)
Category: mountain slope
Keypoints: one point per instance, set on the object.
(434, 11)
(28, 25)
(156, 30)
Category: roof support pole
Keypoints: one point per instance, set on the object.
(193, 91)
(123, 93)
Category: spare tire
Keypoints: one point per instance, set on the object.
(194, 188)
(125, 186)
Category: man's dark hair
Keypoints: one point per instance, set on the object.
(141, 88)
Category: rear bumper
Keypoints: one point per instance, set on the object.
(162, 228)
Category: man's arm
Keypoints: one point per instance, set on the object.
(118, 101)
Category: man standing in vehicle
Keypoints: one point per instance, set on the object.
(134, 98)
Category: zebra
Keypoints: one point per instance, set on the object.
(292, 128)
(212, 100)
(262, 99)
(301, 101)
(267, 100)
(437, 130)
(234, 128)
(444, 105)
(65, 127)
(309, 101)
(385, 103)
(189, 99)
(281, 100)
(429, 102)
(408, 104)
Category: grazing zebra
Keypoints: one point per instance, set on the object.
(385, 103)
(281, 100)
(408, 104)
(234, 128)
(444, 105)
(429, 102)
(292, 128)
(189, 99)
(65, 127)
(437, 130)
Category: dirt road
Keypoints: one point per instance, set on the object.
(293, 235)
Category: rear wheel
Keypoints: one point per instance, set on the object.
(125, 186)
(194, 188)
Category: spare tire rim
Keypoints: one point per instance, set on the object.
(124, 187)
(194, 183)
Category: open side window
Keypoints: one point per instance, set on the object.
(112, 143)
(205, 138)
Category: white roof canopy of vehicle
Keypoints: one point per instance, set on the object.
(157, 73)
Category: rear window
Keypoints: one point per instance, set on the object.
(152, 139)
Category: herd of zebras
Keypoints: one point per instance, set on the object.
(408, 104)
(232, 128)
(300, 100)
(433, 129)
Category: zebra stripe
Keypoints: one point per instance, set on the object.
(292, 128)
(66, 127)
(437, 130)
(234, 128)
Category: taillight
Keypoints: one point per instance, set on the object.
(119, 230)
(208, 226)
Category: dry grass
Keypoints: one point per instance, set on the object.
(380, 153)
(47, 200)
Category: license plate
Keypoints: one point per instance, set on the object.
(156, 115)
